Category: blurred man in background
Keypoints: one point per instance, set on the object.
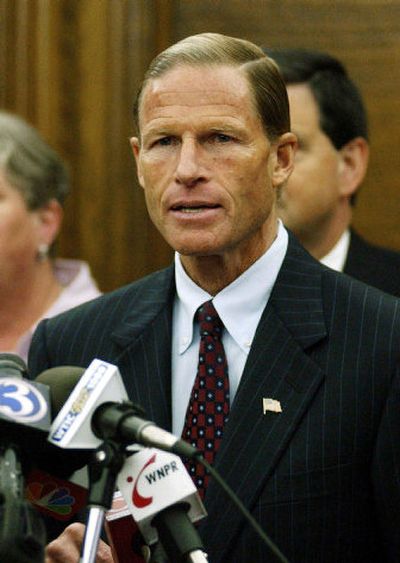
(329, 119)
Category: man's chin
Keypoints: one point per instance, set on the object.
(195, 245)
(197, 252)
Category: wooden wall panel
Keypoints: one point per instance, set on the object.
(71, 67)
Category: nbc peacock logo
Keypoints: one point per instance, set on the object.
(55, 497)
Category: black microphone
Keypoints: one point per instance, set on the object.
(24, 421)
(25, 413)
(98, 409)
(61, 380)
(27, 409)
(28, 461)
(23, 403)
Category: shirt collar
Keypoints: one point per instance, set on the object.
(239, 305)
(336, 257)
(189, 297)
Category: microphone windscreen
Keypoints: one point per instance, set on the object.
(11, 364)
(61, 380)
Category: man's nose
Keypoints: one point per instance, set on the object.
(189, 166)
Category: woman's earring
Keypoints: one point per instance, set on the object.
(42, 252)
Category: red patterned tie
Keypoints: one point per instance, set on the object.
(208, 408)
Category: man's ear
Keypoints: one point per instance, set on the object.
(50, 218)
(135, 144)
(285, 150)
(353, 165)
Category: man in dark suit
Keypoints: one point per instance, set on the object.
(329, 119)
(312, 442)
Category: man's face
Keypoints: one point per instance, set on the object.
(311, 197)
(208, 170)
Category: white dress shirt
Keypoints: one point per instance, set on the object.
(336, 257)
(239, 305)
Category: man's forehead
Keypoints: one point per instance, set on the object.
(196, 87)
(204, 80)
(188, 98)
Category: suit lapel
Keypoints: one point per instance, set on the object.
(144, 339)
(277, 368)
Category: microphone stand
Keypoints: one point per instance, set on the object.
(178, 536)
(103, 470)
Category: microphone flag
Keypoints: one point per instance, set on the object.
(152, 480)
(72, 426)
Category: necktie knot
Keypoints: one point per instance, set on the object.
(209, 321)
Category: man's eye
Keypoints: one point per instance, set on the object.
(164, 141)
(222, 138)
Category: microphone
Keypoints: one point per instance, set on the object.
(60, 381)
(25, 412)
(163, 501)
(24, 405)
(52, 485)
(39, 468)
(12, 365)
(98, 408)
(24, 420)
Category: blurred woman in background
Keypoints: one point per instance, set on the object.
(33, 284)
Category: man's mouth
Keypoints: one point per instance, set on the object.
(193, 208)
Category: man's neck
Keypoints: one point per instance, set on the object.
(214, 273)
(320, 241)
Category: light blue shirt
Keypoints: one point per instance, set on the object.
(239, 305)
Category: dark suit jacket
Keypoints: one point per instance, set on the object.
(322, 477)
(373, 265)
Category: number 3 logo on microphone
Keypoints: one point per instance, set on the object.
(21, 401)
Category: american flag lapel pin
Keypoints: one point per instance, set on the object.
(271, 405)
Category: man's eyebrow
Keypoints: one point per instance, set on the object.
(166, 124)
(155, 131)
(158, 131)
(225, 127)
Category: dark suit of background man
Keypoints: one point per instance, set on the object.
(329, 119)
(322, 476)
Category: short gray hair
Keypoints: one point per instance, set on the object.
(214, 49)
(29, 164)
